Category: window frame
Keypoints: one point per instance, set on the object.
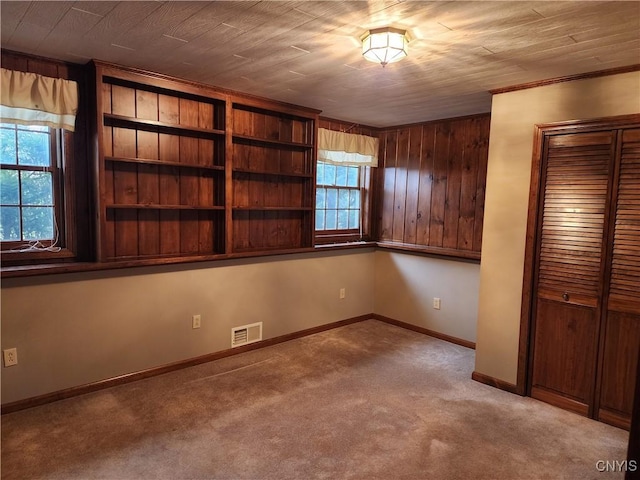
(323, 237)
(59, 140)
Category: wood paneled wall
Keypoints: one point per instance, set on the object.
(431, 179)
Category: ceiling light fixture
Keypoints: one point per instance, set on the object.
(385, 45)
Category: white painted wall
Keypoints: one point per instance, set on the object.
(406, 284)
(75, 329)
(513, 117)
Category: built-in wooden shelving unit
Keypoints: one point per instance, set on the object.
(189, 170)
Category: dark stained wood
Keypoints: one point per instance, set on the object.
(582, 219)
(569, 267)
(568, 78)
(423, 217)
(495, 382)
(433, 195)
(272, 179)
(621, 349)
(400, 183)
(439, 186)
(633, 450)
(425, 331)
(455, 165)
(413, 185)
(620, 345)
(565, 346)
(388, 148)
(165, 150)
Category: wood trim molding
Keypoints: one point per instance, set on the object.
(567, 78)
(425, 331)
(171, 367)
(426, 250)
(561, 401)
(349, 125)
(179, 365)
(435, 121)
(614, 418)
(495, 382)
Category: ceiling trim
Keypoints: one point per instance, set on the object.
(568, 78)
(437, 120)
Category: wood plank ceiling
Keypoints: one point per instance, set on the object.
(308, 53)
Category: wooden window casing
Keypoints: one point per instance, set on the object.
(71, 177)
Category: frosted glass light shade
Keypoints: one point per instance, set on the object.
(385, 45)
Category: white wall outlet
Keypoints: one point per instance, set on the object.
(10, 357)
(436, 303)
(343, 292)
(195, 321)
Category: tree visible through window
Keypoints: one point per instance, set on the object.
(338, 198)
(28, 172)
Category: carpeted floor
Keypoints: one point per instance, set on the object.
(365, 401)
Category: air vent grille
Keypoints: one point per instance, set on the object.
(246, 334)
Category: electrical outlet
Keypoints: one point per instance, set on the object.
(195, 321)
(343, 292)
(10, 357)
(436, 303)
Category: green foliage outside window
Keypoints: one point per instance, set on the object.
(337, 197)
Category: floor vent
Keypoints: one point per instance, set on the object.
(246, 334)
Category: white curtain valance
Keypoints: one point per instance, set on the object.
(347, 148)
(31, 99)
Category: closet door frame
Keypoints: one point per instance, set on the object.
(541, 132)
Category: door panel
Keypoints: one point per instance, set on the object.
(620, 357)
(622, 322)
(565, 353)
(585, 313)
(569, 268)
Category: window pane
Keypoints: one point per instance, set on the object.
(343, 198)
(329, 174)
(343, 219)
(320, 173)
(37, 223)
(332, 198)
(37, 188)
(354, 218)
(352, 177)
(354, 199)
(321, 198)
(33, 148)
(320, 220)
(331, 221)
(9, 189)
(9, 223)
(341, 176)
(7, 146)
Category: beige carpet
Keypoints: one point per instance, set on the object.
(365, 401)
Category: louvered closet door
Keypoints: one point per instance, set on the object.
(622, 319)
(576, 184)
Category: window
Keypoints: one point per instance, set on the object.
(30, 189)
(339, 198)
